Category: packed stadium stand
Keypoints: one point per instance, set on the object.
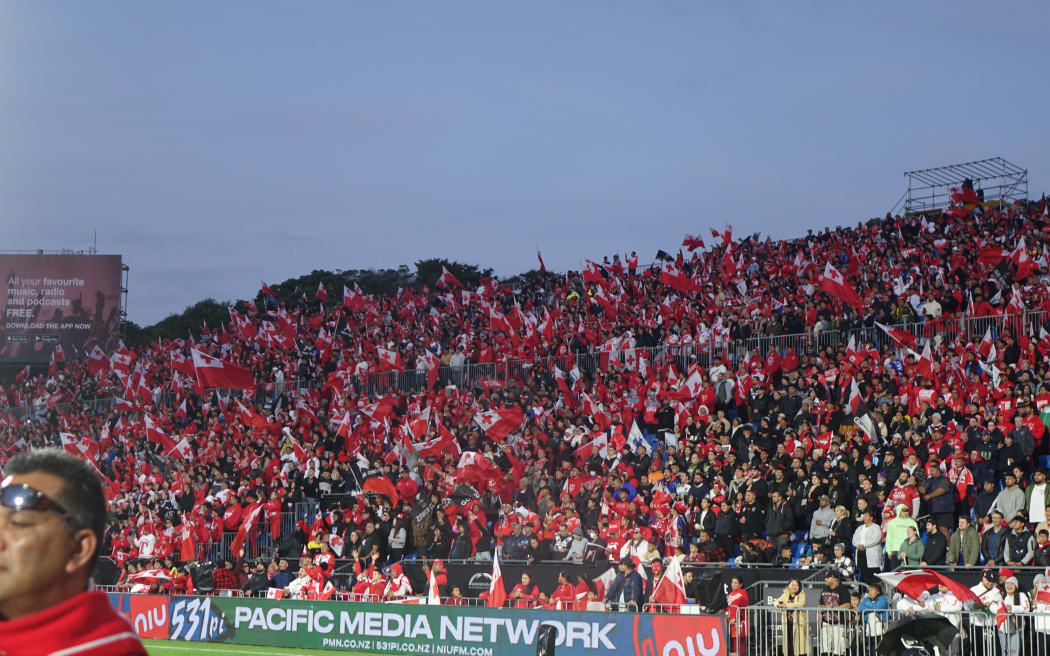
(788, 405)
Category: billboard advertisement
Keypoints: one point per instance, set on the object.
(50, 300)
(417, 629)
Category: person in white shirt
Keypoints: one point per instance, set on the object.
(867, 539)
(945, 603)
(1014, 601)
(1035, 497)
(636, 546)
(983, 624)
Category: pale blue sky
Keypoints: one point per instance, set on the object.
(217, 143)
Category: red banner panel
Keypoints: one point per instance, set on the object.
(52, 300)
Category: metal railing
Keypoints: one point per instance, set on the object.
(848, 632)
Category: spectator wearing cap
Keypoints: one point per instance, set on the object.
(1010, 631)
(578, 547)
(984, 624)
(897, 532)
(867, 539)
(1011, 499)
(822, 519)
(625, 592)
(1020, 544)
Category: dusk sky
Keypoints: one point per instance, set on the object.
(214, 144)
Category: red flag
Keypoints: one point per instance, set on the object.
(498, 424)
(925, 362)
(670, 591)
(389, 359)
(497, 591)
(381, 485)
(855, 397)
(183, 450)
(693, 242)
(121, 360)
(990, 256)
(322, 295)
(243, 531)
(187, 544)
(353, 300)
(902, 337)
(181, 363)
(592, 273)
(22, 375)
(1016, 304)
(97, 361)
(543, 268)
(213, 372)
(86, 447)
(181, 410)
(984, 349)
(447, 280)
(433, 367)
(499, 321)
(156, 435)
(834, 284)
(915, 582)
(672, 277)
(120, 405)
(478, 470)
(381, 409)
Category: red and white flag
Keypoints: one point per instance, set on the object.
(433, 594)
(987, 347)
(97, 361)
(182, 450)
(499, 321)
(157, 436)
(902, 337)
(242, 533)
(181, 363)
(670, 591)
(85, 447)
(390, 359)
(497, 591)
(354, 299)
(498, 424)
(322, 295)
(855, 397)
(479, 471)
(693, 242)
(915, 582)
(121, 360)
(213, 372)
(187, 543)
(833, 283)
(447, 280)
(924, 365)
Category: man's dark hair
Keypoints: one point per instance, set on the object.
(81, 496)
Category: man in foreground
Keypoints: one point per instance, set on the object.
(52, 515)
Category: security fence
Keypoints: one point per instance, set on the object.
(849, 631)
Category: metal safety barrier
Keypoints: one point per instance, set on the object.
(850, 632)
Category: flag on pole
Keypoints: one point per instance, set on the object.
(497, 592)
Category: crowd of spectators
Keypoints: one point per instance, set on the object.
(647, 427)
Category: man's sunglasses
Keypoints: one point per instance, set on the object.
(18, 496)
